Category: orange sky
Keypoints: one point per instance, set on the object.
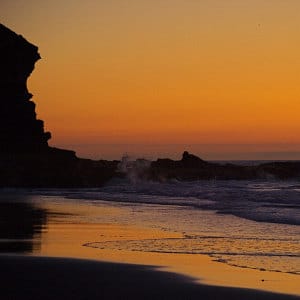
(153, 78)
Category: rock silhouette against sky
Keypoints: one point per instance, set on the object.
(27, 160)
(20, 130)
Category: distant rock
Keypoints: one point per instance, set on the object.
(190, 160)
(191, 167)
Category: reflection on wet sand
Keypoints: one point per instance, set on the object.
(21, 224)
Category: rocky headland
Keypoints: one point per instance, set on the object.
(26, 159)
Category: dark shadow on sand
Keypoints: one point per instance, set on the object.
(45, 278)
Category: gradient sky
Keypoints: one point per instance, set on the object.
(153, 78)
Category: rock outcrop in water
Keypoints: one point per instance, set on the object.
(191, 167)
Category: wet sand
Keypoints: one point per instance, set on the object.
(58, 265)
(24, 277)
(66, 236)
(67, 240)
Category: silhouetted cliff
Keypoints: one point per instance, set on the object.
(25, 157)
(20, 130)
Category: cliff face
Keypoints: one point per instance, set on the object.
(20, 130)
(26, 160)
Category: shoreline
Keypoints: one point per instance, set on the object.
(33, 277)
(62, 239)
(63, 227)
(202, 268)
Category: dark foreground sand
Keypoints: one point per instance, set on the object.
(24, 277)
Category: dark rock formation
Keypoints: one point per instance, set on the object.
(20, 130)
(191, 167)
(280, 170)
(190, 160)
(25, 157)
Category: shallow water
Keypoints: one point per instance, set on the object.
(228, 239)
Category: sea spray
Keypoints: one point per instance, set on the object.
(135, 170)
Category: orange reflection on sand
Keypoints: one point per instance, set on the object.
(66, 240)
(65, 236)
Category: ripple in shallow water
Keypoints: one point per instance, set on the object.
(264, 254)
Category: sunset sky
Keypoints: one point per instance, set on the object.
(156, 77)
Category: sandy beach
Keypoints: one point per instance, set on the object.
(54, 259)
